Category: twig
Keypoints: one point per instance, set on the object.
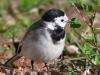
(89, 24)
(79, 13)
(80, 58)
(83, 37)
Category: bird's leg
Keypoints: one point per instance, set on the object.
(61, 57)
(46, 65)
(32, 63)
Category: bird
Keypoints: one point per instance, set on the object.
(45, 39)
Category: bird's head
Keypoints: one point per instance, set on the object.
(55, 18)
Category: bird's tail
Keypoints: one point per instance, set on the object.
(9, 63)
(17, 55)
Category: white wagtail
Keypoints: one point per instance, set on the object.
(45, 39)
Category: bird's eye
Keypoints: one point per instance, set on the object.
(62, 20)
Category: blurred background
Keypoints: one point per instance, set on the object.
(18, 15)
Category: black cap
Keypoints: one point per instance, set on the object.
(51, 14)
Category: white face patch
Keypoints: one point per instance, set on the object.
(50, 25)
(61, 21)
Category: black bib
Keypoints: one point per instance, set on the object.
(57, 34)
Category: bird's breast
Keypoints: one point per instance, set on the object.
(43, 49)
(49, 49)
(57, 35)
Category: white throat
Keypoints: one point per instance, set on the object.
(50, 25)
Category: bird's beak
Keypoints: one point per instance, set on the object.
(68, 22)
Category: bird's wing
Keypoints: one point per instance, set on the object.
(32, 33)
(33, 29)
